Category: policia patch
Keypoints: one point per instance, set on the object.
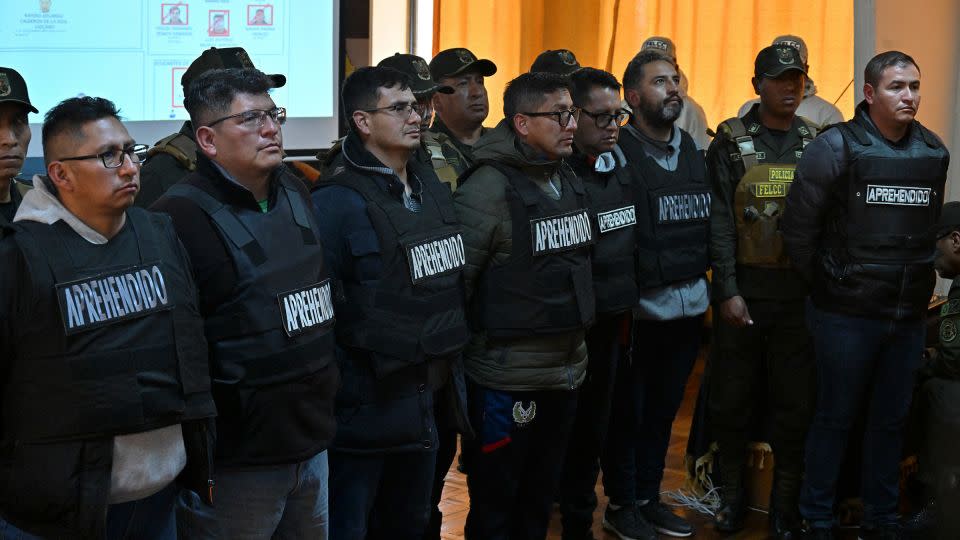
(560, 233)
(306, 309)
(112, 297)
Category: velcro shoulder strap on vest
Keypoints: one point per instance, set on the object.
(232, 227)
(296, 201)
(146, 231)
(738, 134)
(180, 147)
(521, 184)
(40, 244)
(855, 131)
(928, 137)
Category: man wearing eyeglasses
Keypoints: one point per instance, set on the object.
(527, 233)
(14, 138)
(106, 392)
(760, 336)
(460, 115)
(173, 157)
(267, 304)
(397, 253)
(673, 209)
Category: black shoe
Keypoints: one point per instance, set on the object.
(628, 524)
(885, 532)
(730, 518)
(784, 526)
(920, 526)
(664, 520)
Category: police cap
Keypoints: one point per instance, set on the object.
(14, 89)
(419, 72)
(452, 62)
(775, 60)
(662, 44)
(230, 57)
(560, 61)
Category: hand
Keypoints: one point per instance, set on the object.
(734, 312)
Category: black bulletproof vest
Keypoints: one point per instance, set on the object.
(276, 326)
(415, 311)
(894, 195)
(546, 286)
(673, 215)
(613, 209)
(112, 347)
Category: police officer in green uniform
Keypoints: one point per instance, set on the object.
(431, 150)
(14, 138)
(460, 115)
(761, 341)
(173, 157)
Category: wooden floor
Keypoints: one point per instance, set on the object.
(456, 502)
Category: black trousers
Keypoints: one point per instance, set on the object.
(516, 460)
(578, 498)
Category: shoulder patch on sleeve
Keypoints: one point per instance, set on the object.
(948, 330)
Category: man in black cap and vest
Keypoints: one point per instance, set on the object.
(267, 303)
(396, 251)
(673, 209)
(600, 163)
(761, 340)
(559, 61)
(460, 115)
(106, 392)
(528, 233)
(860, 228)
(174, 157)
(14, 138)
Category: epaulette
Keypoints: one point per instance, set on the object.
(181, 147)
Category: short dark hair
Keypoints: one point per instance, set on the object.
(634, 72)
(71, 114)
(212, 93)
(880, 62)
(585, 79)
(361, 90)
(527, 92)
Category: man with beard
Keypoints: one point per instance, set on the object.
(14, 138)
(761, 340)
(527, 235)
(860, 227)
(673, 202)
(460, 115)
(692, 118)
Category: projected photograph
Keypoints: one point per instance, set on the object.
(218, 21)
(174, 14)
(259, 15)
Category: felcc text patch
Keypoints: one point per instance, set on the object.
(435, 257)
(112, 297)
(619, 218)
(898, 195)
(306, 309)
(560, 233)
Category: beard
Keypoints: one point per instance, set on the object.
(663, 113)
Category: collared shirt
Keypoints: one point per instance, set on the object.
(665, 154)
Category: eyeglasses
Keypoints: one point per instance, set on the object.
(402, 110)
(603, 120)
(113, 158)
(563, 117)
(256, 118)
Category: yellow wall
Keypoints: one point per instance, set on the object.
(716, 40)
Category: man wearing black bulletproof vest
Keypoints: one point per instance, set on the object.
(397, 253)
(528, 234)
(106, 394)
(862, 229)
(760, 339)
(267, 306)
(600, 163)
(673, 209)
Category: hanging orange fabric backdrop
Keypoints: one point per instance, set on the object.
(716, 40)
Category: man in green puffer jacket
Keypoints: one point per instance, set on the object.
(529, 286)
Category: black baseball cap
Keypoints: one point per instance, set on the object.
(14, 89)
(419, 72)
(775, 60)
(230, 57)
(559, 61)
(949, 219)
(451, 62)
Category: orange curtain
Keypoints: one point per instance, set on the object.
(716, 40)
